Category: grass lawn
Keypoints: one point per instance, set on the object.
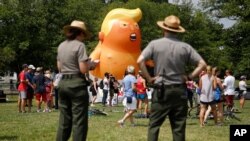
(34, 126)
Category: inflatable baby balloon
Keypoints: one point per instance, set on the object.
(119, 43)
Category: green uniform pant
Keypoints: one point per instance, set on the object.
(172, 102)
(73, 106)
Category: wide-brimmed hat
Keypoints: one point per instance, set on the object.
(171, 23)
(77, 25)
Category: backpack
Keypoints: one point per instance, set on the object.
(101, 84)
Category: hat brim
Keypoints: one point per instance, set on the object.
(179, 30)
(67, 28)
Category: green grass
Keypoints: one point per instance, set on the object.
(34, 126)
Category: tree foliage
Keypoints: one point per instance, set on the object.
(236, 39)
(32, 29)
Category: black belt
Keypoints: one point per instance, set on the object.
(70, 76)
(169, 86)
(174, 86)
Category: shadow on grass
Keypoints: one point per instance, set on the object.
(193, 123)
(9, 101)
(8, 138)
(141, 125)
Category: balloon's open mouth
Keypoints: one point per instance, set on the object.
(133, 37)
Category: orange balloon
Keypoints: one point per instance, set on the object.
(119, 43)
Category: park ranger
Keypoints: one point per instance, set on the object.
(171, 57)
(73, 63)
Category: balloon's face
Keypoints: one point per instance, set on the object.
(125, 33)
(120, 44)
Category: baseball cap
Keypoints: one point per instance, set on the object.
(38, 69)
(130, 69)
(243, 77)
(31, 67)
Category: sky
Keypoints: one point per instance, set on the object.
(225, 21)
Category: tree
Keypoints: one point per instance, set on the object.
(33, 29)
(236, 38)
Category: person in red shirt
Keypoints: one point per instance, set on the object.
(141, 93)
(22, 89)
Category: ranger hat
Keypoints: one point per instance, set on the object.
(77, 25)
(171, 23)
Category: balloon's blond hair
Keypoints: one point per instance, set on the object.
(119, 13)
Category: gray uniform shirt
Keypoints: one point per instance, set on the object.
(70, 53)
(171, 56)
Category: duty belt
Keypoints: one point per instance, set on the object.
(70, 76)
(168, 86)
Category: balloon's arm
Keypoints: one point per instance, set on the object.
(95, 55)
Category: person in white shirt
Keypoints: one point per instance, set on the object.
(229, 89)
(105, 88)
(206, 97)
(243, 90)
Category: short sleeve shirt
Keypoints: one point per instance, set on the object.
(70, 53)
(242, 85)
(171, 57)
(127, 82)
(39, 81)
(22, 86)
(229, 83)
(29, 76)
(106, 84)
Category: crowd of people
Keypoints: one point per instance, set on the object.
(110, 86)
(212, 95)
(38, 83)
(171, 83)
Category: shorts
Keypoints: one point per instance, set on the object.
(22, 94)
(207, 103)
(190, 93)
(130, 106)
(111, 93)
(39, 96)
(141, 96)
(229, 100)
(30, 95)
(49, 97)
(94, 93)
(242, 94)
